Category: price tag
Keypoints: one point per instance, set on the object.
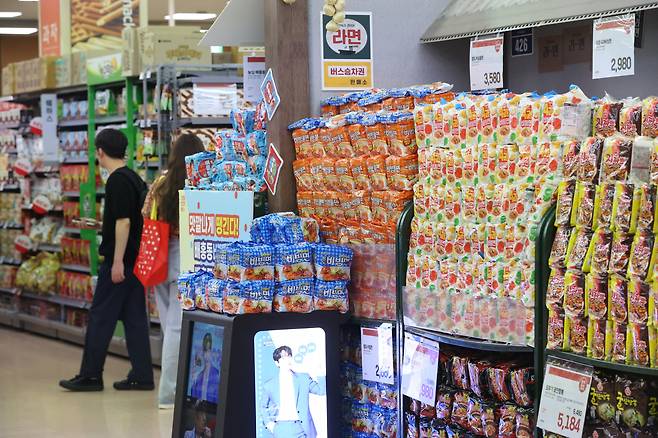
(420, 368)
(613, 46)
(377, 353)
(486, 64)
(22, 167)
(41, 204)
(564, 398)
(23, 244)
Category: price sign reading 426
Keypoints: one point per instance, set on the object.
(613, 51)
(564, 398)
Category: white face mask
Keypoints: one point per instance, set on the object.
(105, 174)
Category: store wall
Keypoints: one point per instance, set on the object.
(522, 72)
(399, 57)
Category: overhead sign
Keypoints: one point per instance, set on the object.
(210, 217)
(419, 368)
(613, 46)
(522, 42)
(103, 69)
(377, 353)
(49, 30)
(564, 398)
(253, 75)
(104, 20)
(486, 63)
(347, 53)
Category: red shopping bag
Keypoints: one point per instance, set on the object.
(152, 266)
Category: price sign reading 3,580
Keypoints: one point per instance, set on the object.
(564, 398)
(486, 63)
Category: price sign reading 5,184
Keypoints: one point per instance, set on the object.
(564, 398)
(227, 226)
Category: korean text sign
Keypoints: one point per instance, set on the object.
(208, 218)
(347, 54)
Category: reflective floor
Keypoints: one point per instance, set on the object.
(33, 405)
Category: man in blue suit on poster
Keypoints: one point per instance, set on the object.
(206, 383)
(285, 403)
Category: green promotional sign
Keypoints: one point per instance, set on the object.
(104, 69)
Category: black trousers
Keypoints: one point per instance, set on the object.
(123, 301)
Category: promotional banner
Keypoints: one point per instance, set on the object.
(103, 69)
(253, 76)
(104, 19)
(347, 53)
(49, 30)
(49, 128)
(290, 383)
(207, 218)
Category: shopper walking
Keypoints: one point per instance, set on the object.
(118, 295)
(164, 192)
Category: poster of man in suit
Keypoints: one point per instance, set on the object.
(291, 383)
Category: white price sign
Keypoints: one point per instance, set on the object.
(377, 353)
(564, 398)
(486, 63)
(420, 369)
(613, 51)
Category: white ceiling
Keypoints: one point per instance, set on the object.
(157, 9)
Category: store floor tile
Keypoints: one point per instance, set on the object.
(33, 405)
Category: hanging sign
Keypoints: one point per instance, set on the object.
(253, 75)
(23, 167)
(420, 368)
(486, 63)
(613, 46)
(23, 244)
(42, 204)
(49, 38)
(347, 53)
(49, 128)
(270, 94)
(564, 398)
(272, 168)
(377, 353)
(521, 42)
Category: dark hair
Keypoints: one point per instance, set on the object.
(113, 142)
(200, 407)
(166, 193)
(277, 353)
(207, 339)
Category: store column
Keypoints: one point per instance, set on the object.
(286, 50)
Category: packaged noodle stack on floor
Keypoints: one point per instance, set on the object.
(602, 284)
(489, 166)
(282, 269)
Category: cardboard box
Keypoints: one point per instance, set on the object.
(63, 71)
(35, 74)
(8, 80)
(130, 52)
(171, 45)
(79, 65)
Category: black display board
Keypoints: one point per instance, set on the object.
(224, 345)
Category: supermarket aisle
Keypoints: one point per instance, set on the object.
(33, 405)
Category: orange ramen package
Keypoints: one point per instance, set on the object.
(357, 134)
(303, 177)
(401, 172)
(305, 204)
(329, 174)
(360, 173)
(375, 134)
(399, 129)
(301, 138)
(317, 137)
(315, 166)
(345, 181)
(377, 172)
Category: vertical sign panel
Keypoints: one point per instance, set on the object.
(49, 28)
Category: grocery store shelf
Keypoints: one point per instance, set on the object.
(472, 343)
(49, 247)
(9, 126)
(77, 268)
(9, 261)
(9, 188)
(9, 290)
(72, 123)
(370, 321)
(603, 364)
(185, 121)
(57, 299)
(9, 317)
(71, 230)
(11, 226)
(76, 160)
(110, 120)
(71, 194)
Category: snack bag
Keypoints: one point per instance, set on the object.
(473, 120)
(560, 245)
(650, 117)
(574, 294)
(199, 284)
(329, 174)
(638, 345)
(619, 253)
(488, 119)
(584, 201)
(506, 109)
(565, 196)
(622, 207)
(570, 158)
(616, 158)
(644, 208)
(598, 254)
(332, 262)
(555, 335)
(528, 128)
(186, 290)
(638, 302)
(596, 333)
(605, 195)
(293, 262)
(257, 263)
(457, 123)
(555, 289)
(596, 296)
(548, 166)
(357, 134)
(294, 296)
(375, 133)
(508, 155)
(401, 172)
(214, 294)
(330, 295)
(576, 331)
(618, 299)
(256, 297)
(487, 162)
(615, 342)
(630, 118)
(653, 164)
(605, 116)
(360, 173)
(590, 157)
(641, 255)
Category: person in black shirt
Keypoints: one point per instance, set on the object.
(118, 294)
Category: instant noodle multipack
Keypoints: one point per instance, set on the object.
(283, 268)
(477, 395)
(602, 292)
(489, 166)
(237, 158)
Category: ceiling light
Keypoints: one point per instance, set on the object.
(203, 30)
(192, 16)
(10, 14)
(17, 30)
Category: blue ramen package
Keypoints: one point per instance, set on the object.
(243, 120)
(202, 164)
(214, 294)
(256, 166)
(257, 143)
(199, 283)
(186, 290)
(331, 295)
(228, 170)
(231, 298)
(256, 297)
(239, 146)
(257, 262)
(332, 262)
(294, 262)
(294, 296)
(234, 263)
(224, 145)
(221, 264)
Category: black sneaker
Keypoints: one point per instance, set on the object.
(127, 385)
(82, 384)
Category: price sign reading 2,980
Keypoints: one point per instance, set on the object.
(613, 46)
(227, 226)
